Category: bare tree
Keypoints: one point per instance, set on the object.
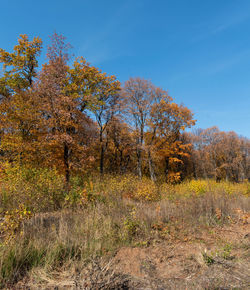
(138, 99)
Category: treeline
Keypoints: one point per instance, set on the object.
(220, 155)
(72, 116)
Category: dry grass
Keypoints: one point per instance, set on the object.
(67, 239)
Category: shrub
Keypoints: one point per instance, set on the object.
(127, 186)
(37, 189)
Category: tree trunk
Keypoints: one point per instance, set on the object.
(166, 167)
(126, 163)
(139, 152)
(101, 153)
(121, 167)
(101, 159)
(139, 162)
(151, 167)
(66, 165)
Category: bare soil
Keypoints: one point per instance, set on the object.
(213, 259)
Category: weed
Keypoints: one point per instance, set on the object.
(226, 251)
(208, 259)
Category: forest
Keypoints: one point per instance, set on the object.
(79, 120)
(77, 145)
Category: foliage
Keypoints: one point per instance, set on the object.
(128, 186)
(221, 155)
(200, 187)
(224, 253)
(209, 260)
(72, 116)
(37, 189)
(131, 224)
(17, 104)
(12, 221)
(20, 66)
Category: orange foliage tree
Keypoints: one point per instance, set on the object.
(18, 121)
(221, 155)
(167, 121)
(76, 117)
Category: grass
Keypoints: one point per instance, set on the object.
(103, 216)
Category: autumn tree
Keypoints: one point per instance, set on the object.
(17, 107)
(70, 115)
(220, 155)
(106, 107)
(99, 95)
(120, 145)
(166, 123)
(62, 99)
(157, 122)
(48, 117)
(245, 151)
(138, 98)
(20, 66)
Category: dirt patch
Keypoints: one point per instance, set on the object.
(214, 259)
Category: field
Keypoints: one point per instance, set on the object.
(122, 232)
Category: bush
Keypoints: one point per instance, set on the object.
(127, 186)
(37, 189)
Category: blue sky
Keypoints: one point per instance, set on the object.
(197, 50)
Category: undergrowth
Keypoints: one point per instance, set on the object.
(45, 227)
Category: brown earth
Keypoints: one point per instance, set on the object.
(182, 265)
(213, 259)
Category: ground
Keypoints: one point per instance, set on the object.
(213, 259)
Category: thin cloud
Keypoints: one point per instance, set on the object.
(219, 25)
(98, 47)
(217, 66)
(232, 22)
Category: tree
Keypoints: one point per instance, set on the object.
(17, 107)
(167, 121)
(99, 95)
(20, 66)
(62, 102)
(138, 97)
(221, 155)
(106, 106)
(120, 145)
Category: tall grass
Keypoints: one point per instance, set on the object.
(98, 216)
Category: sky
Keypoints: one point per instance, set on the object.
(199, 51)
